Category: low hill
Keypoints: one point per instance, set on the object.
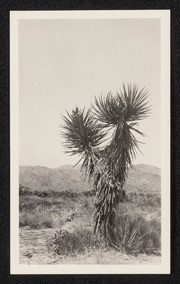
(143, 178)
(58, 179)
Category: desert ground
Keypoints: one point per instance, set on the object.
(56, 221)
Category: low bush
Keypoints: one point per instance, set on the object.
(79, 241)
(30, 202)
(37, 219)
(145, 200)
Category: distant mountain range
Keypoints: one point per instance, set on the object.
(143, 178)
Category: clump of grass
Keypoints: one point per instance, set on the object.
(134, 233)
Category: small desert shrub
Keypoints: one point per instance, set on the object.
(31, 202)
(144, 200)
(36, 219)
(136, 234)
(79, 241)
(149, 201)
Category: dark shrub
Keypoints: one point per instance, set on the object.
(64, 242)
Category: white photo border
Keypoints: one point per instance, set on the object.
(164, 266)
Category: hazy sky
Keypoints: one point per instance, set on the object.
(64, 63)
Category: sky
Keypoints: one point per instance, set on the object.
(66, 62)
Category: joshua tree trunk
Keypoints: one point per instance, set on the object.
(109, 193)
(105, 211)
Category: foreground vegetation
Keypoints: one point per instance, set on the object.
(69, 215)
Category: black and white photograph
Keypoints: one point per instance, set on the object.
(90, 131)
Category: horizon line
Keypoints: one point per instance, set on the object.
(74, 166)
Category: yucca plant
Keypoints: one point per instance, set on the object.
(85, 133)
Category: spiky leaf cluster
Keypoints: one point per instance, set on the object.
(81, 131)
(109, 110)
(135, 102)
(82, 135)
(121, 112)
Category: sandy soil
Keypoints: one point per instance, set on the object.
(34, 250)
